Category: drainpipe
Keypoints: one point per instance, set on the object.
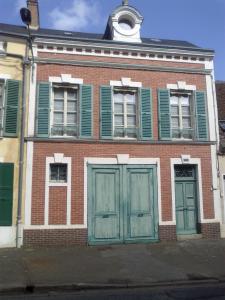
(26, 64)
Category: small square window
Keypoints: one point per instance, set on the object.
(58, 173)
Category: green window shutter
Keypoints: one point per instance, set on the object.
(6, 193)
(106, 112)
(86, 111)
(146, 114)
(201, 116)
(164, 114)
(43, 108)
(12, 107)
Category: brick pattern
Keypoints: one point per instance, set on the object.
(77, 151)
(167, 233)
(220, 93)
(102, 76)
(54, 237)
(57, 205)
(210, 230)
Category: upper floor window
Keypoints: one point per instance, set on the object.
(1, 106)
(125, 113)
(182, 117)
(64, 113)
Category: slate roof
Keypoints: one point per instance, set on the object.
(15, 30)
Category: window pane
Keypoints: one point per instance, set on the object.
(174, 110)
(131, 109)
(119, 108)
(186, 122)
(58, 93)
(174, 100)
(184, 100)
(59, 105)
(58, 118)
(119, 120)
(175, 133)
(118, 97)
(185, 110)
(57, 130)
(71, 118)
(72, 106)
(71, 130)
(130, 97)
(72, 94)
(119, 132)
(131, 121)
(58, 172)
(175, 122)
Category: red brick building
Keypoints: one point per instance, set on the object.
(122, 138)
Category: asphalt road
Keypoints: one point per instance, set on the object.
(212, 292)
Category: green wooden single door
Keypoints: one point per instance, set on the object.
(186, 199)
(6, 193)
(104, 204)
(141, 207)
(122, 204)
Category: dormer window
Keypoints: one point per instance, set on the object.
(125, 24)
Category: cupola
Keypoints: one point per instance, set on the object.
(124, 24)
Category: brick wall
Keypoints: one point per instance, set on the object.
(57, 205)
(77, 151)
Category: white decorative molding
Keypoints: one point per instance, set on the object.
(29, 176)
(185, 158)
(126, 82)
(66, 78)
(181, 85)
(5, 76)
(123, 158)
(58, 157)
(52, 160)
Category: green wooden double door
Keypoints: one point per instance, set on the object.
(122, 204)
(186, 199)
(6, 193)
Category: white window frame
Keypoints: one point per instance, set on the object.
(180, 114)
(2, 83)
(57, 158)
(123, 90)
(65, 100)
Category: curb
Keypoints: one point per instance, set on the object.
(33, 289)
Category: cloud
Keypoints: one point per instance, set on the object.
(80, 14)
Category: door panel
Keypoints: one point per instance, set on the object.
(6, 193)
(122, 204)
(186, 203)
(140, 203)
(105, 204)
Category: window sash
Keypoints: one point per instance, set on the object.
(128, 112)
(58, 173)
(181, 113)
(69, 111)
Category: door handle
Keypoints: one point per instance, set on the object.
(140, 215)
(105, 216)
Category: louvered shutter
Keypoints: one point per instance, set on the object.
(164, 114)
(12, 108)
(201, 116)
(6, 193)
(43, 108)
(145, 114)
(86, 111)
(106, 112)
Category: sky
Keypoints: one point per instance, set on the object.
(201, 22)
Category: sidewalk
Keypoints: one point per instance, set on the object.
(112, 266)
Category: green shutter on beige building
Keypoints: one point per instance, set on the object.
(12, 108)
